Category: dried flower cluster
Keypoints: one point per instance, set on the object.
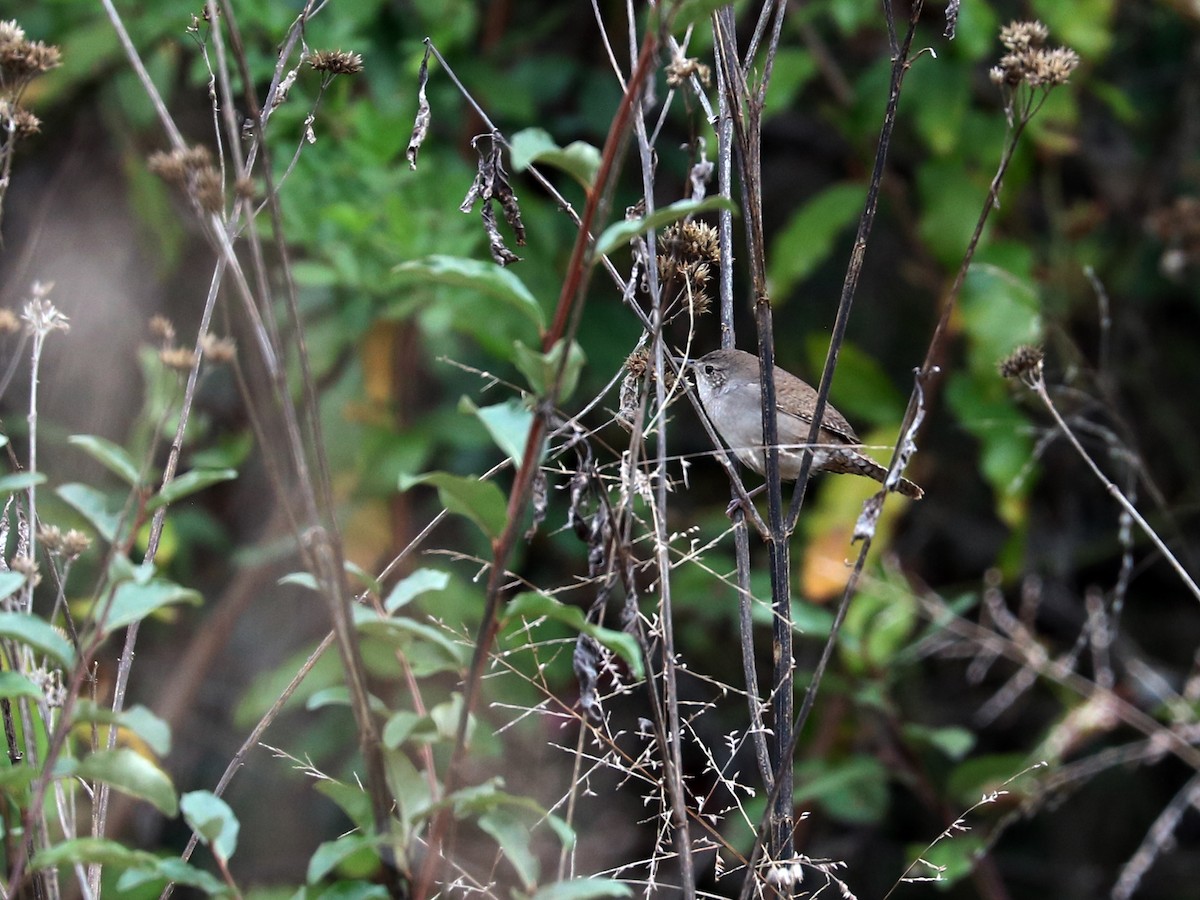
(1028, 61)
(1024, 363)
(638, 362)
(26, 565)
(70, 543)
(638, 368)
(40, 315)
(21, 60)
(216, 349)
(681, 69)
(336, 62)
(688, 252)
(192, 170)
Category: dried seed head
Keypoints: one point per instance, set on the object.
(11, 33)
(1024, 35)
(50, 537)
(161, 328)
(180, 358)
(25, 124)
(208, 190)
(638, 362)
(58, 543)
(168, 166)
(75, 542)
(40, 315)
(176, 166)
(9, 323)
(20, 121)
(217, 349)
(688, 249)
(694, 240)
(336, 62)
(681, 69)
(1053, 67)
(1024, 363)
(22, 59)
(27, 566)
(1028, 61)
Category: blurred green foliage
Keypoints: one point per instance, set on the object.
(395, 282)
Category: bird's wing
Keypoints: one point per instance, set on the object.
(833, 422)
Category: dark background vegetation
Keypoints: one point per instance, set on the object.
(1106, 182)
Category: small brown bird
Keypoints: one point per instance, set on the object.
(728, 384)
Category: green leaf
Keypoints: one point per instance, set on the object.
(534, 145)
(303, 579)
(508, 423)
(332, 854)
(948, 860)
(479, 501)
(476, 275)
(212, 820)
(126, 771)
(339, 695)
(409, 636)
(102, 512)
(132, 602)
(307, 580)
(853, 791)
(189, 483)
(410, 788)
(877, 628)
(446, 715)
(621, 233)
(953, 742)
(808, 238)
(945, 98)
(862, 390)
(952, 196)
(532, 605)
(10, 583)
(138, 719)
(540, 368)
(14, 684)
(20, 481)
(407, 725)
(981, 775)
(512, 833)
(169, 869)
(1084, 25)
(15, 781)
(583, 889)
(409, 588)
(112, 456)
(350, 799)
(92, 850)
(1006, 442)
(38, 634)
(509, 820)
(1000, 310)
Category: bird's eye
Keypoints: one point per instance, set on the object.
(708, 368)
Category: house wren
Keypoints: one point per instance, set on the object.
(727, 381)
